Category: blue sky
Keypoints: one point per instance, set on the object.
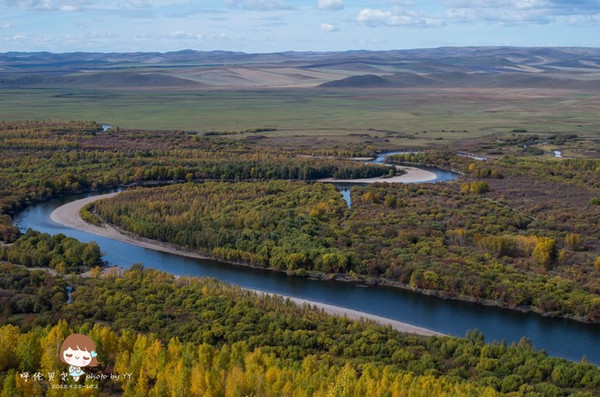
(280, 25)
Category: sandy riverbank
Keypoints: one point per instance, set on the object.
(356, 315)
(68, 215)
(411, 175)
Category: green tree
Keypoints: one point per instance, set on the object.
(91, 254)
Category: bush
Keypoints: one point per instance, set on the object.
(574, 242)
(477, 187)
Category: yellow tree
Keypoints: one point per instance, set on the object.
(50, 345)
(234, 383)
(343, 385)
(9, 334)
(198, 381)
(544, 251)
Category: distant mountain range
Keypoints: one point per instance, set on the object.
(568, 68)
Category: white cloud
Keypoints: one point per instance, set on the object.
(529, 4)
(406, 3)
(326, 27)
(222, 36)
(6, 25)
(396, 17)
(82, 5)
(181, 35)
(369, 15)
(501, 12)
(590, 20)
(139, 3)
(258, 5)
(330, 4)
(513, 4)
(100, 35)
(14, 37)
(45, 5)
(522, 11)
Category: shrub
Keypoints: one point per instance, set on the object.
(574, 241)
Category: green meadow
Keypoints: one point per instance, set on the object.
(406, 117)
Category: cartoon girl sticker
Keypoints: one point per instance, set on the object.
(78, 351)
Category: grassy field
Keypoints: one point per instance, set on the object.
(377, 117)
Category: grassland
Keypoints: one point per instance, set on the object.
(328, 117)
(449, 97)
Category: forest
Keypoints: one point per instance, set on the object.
(63, 254)
(44, 159)
(201, 337)
(458, 242)
(504, 234)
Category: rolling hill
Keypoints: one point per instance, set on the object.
(568, 68)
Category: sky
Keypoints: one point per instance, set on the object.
(262, 26)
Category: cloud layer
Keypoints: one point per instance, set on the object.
(408, 13)
(259, 5)
(330, 4)
(279, 25)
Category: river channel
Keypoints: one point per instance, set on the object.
(558, 337)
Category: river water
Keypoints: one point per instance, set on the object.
(558, 337)
(440, 176)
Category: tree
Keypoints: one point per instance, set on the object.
(479, 187)
(9, 387)
(8, 341)
(574, 241)
(333, 262)
(295, 260)
(390, 201)
(91, 254)
(458, 236)
(29, 352)
(96, 272)
(50, 345)
(544, 251)
(343, 385)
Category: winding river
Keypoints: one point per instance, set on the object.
(558, 337)
(436, 175)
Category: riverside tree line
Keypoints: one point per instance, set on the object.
(435, 237)
(200, 337)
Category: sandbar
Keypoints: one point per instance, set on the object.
(411, 175)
